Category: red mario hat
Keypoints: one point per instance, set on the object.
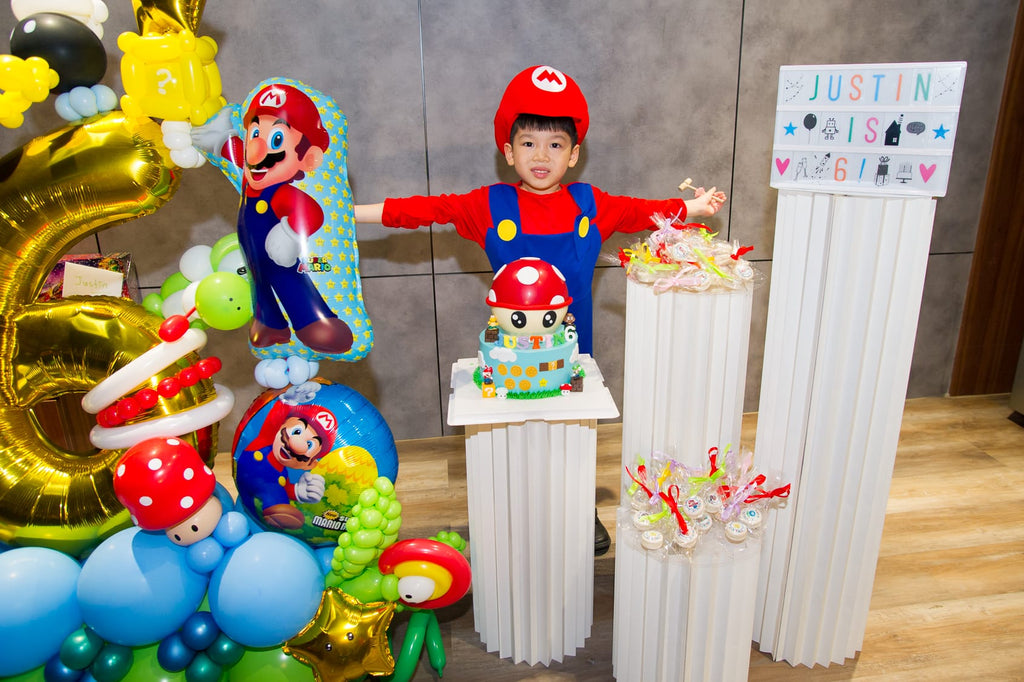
(528, 284)
(542, 91)
(293, 106)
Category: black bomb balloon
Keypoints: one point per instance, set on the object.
(68, 46)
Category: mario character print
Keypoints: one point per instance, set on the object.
(274, 470)
(285, 150)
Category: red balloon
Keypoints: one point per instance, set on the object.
(147, 398)
(189, 376)
(424, 549)
(173, 328)
(169, 387)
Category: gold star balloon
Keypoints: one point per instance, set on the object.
(346, 639)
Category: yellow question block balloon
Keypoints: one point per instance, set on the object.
(171, 76)
(58, 189)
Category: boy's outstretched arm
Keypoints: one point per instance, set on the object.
(368, 213)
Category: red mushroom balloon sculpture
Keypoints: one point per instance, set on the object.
(165, 485)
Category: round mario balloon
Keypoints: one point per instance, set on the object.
(303, 456)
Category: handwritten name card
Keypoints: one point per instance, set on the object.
(867, 128)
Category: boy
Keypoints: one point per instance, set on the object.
(539, 125)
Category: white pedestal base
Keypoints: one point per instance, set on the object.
(847, 278)
(530, 489)
(680, 621)
(685, 371)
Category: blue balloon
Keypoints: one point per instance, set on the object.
(199, 631)
(232, 529)
(173, 654)
(224, 497)
(266, 590)
(136, 588)
(39, 609)
(56, 671)
(326, 556)
(357, 448)
(203, 556)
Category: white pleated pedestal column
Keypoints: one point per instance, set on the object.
(684, 374)
(530, 473)
(847, 278)
(679, 620)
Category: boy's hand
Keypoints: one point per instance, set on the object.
(705, 203)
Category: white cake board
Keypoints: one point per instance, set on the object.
(678, 620)
(685, 372)
(847, 279)
(530, 474)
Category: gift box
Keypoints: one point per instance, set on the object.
(62, 419)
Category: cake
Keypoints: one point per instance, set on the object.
(528, 349)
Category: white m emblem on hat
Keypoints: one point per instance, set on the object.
(548, 78)
(273, 98)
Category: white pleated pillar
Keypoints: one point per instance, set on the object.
(531, 468)
(684, 372)
(681, 620)
(530, 490)
(847, 279)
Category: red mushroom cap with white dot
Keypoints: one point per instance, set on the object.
(529, 284)
(162, 482)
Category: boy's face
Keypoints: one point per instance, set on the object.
(541, 158)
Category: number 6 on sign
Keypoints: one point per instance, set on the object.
(840, 170)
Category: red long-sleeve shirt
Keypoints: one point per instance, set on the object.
(540, 213)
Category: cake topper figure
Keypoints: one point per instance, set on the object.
(528, 297)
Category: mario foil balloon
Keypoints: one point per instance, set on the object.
(285, 150)
(303, 457)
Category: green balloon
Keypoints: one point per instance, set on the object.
(80, 648)
(225, 651)
(154, 303)
(367, 586)
(112, 664)
(146, 668)
(223, 247)
(269, 665)
(202, 669)
(175, 282)
(224, 300)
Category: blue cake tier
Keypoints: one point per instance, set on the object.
(529, 366)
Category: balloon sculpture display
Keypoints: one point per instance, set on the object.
(131, 562)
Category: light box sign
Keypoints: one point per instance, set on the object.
(867, 128)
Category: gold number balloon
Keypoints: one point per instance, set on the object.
(54, 191)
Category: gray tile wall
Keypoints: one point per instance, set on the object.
(677, 88)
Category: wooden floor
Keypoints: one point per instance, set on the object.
(948, 600)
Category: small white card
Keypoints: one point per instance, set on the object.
(82, 280)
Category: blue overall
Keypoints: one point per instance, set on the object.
(574, 252)
(296, 291)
